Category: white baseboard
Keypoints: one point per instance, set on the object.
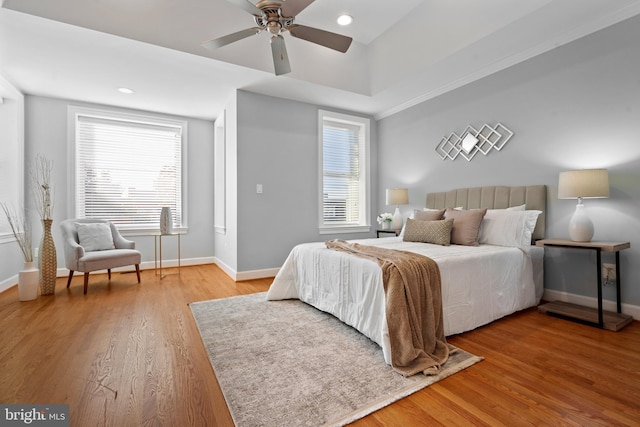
(246, 275)
(552, 295)
(146, 265)
(256, 274)
(227, 269)
(8, 283)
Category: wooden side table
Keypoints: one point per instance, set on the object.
(395, 232)
(590, 316)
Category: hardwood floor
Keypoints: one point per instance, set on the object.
(130, 355)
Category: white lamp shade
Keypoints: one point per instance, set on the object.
(397, 196)
(587, 183)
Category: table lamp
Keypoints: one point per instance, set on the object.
(397, 196)
(582, 184)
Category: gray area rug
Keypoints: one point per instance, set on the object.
(284, 363)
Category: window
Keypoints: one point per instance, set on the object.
(127, 167)
(344, 164)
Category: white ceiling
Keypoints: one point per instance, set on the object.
(404, 52)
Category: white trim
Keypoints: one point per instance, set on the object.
(146, 265)
(227, 269)
(219, 175)
(365, 208)
(344, 229)
(552, 295)
(74, 111)
(9, 283)
(256, 274)
(7, 238)
(246, 275)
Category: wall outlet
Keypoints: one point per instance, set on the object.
(608, 274)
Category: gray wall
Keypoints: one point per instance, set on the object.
(575, 107)
(277, 146)
(46, 133)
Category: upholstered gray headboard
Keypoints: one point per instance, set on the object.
(496, 197)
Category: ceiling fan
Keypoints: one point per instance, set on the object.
(277, 17)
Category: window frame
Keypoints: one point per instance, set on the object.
(112, 114)
(364, 124)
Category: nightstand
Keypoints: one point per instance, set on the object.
(394, 232)
(587, 315)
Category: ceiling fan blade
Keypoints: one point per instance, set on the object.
(280, 57)
(247, 6)
(324, 38)
(230, 38)
(291, 8)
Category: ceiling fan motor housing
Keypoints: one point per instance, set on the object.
(272, 19)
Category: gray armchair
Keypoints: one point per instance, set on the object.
(118, 254)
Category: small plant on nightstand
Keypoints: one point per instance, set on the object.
(384, 219)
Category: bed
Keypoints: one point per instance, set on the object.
(479, 283)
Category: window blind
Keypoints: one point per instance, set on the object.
(341, 173)
(126, 171)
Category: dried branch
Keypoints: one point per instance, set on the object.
(42, 187)
(21, 231)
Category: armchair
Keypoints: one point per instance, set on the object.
(101, 250)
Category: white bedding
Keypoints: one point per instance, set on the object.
(479, 284)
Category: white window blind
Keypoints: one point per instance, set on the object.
(127, 170)
(341, 165)
(344, 148)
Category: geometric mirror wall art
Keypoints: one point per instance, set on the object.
(473, 141)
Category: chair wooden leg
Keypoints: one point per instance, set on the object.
(70, 276)
(138, 272)
(86, 282)
(109, 273)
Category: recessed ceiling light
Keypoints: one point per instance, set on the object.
(125, 90)
(345, 19)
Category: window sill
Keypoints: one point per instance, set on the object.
(344, 229)
(150, 231)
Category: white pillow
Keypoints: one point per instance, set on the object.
(95, 236)
(502, 227)
(517, 208)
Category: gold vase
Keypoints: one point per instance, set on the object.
(48, 260)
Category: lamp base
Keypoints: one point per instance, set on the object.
(397, 221)
(580, 226)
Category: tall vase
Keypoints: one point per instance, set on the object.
(48, 260)
(28, 282)
(166, 220)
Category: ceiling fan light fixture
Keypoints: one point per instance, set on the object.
(274, 27)
(345, 19)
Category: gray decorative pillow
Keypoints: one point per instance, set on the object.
(95, 236)
(429, 215)
(466, 225)
(436, 232)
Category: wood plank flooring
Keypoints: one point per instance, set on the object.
(130, 355)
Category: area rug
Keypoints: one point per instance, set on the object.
(284, 363)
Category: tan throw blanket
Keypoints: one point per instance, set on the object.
(413, 306)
